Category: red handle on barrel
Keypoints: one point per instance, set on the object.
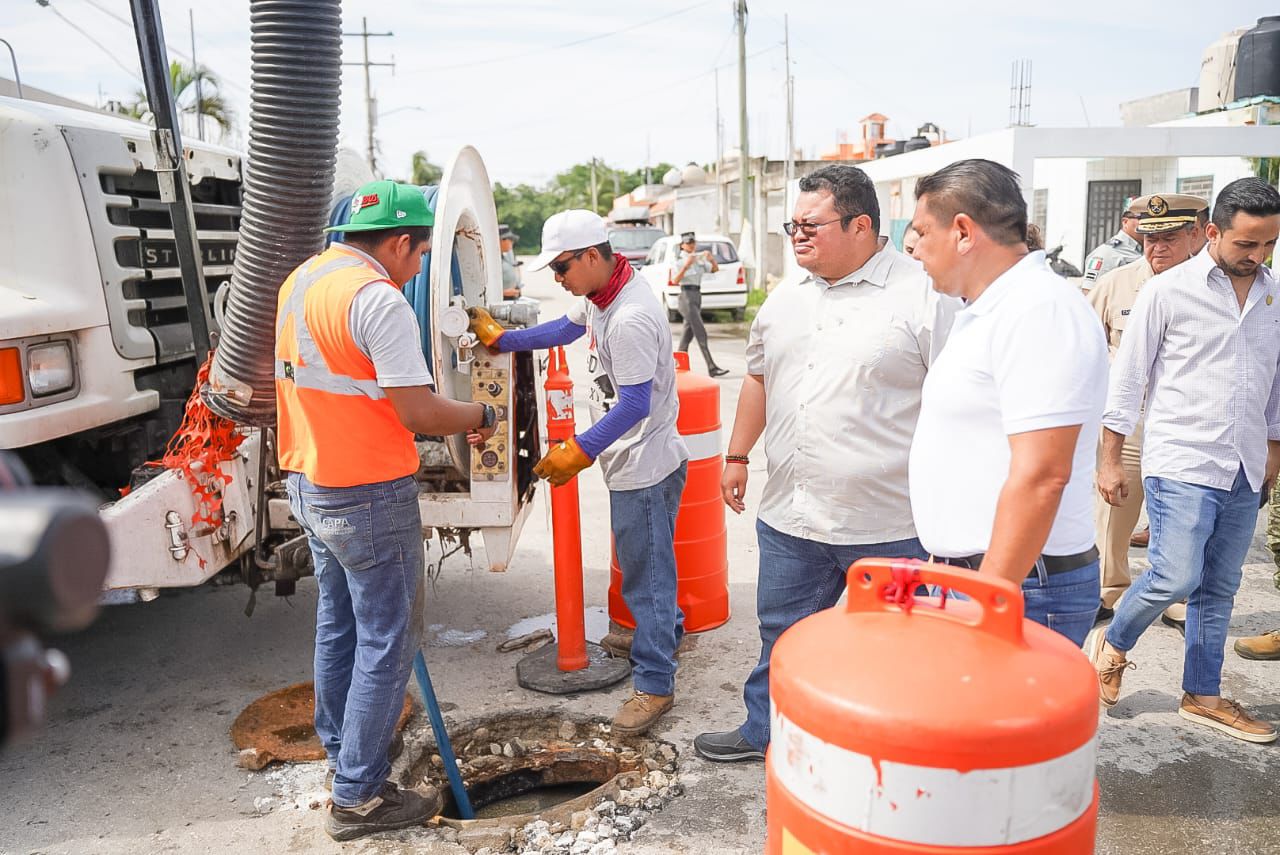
(888, 585)
(566, 525)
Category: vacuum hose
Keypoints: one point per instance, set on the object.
(293, 135)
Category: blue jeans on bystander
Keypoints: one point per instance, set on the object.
(644, 530)
(367, 545)
(798, 577)
(1199, 539)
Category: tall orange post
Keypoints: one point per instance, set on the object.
(574, 665)
(566, 524)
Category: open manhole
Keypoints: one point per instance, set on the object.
(550, 776)
(280, 726)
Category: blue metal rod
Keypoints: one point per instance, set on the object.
(442, 738)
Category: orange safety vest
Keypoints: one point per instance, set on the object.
(336, 425)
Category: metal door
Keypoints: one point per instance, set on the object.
(1107, 201)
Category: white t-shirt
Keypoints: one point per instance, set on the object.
(1029, 354)
(630, 343)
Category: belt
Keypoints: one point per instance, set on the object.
(1053, 564)
(699, 285)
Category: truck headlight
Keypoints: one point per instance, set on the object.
(50, 368)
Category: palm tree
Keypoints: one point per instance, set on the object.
(182, 79)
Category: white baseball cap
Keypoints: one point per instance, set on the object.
(570, 230)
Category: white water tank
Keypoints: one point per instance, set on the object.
(1218, 71)
(673, 178)
(692, 176)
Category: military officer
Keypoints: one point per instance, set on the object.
(1169, 226)
(510, 267)
(1123, 247)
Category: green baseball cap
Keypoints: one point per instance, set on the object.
(386, 205)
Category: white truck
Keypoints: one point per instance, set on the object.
(97, 360)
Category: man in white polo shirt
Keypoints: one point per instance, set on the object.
(1003, 460)
(835, 364)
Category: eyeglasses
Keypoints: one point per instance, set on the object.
(560, 268)
(810, 229)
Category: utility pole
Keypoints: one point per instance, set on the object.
(195, 69)
(788, 172)
(719, 159)
(740, 16)
(595, 206)
(370, 105)
(648, 178)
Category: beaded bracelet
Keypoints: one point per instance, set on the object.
(737, 458)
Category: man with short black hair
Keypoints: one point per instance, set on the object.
(352, 388)
(633, 435)
(1003, 459)
(835, 363)
(1202, 350)
(691, 267)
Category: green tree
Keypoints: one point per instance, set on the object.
(182, 79)
(1267, 168)
(423, 171)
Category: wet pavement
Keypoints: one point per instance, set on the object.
(137, 757)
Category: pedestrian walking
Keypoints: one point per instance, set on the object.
(1267, 645)
(633, 436)
(1124, 247)
(1201, 348)
(511, 284)
(835, 365)
(1167, 223)
(352, 388)
(692, 266)
(1003, 460)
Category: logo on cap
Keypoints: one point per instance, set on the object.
(1157, 207)
(365, 201)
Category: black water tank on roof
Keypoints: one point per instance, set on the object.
(1258, 60)
(915, 144)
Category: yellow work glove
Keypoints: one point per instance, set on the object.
(562, 463)
(484, 326)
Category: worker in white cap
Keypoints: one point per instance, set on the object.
(633, 435)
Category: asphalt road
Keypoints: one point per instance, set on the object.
(137, 758)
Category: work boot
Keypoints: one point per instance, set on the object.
(1110, 667)
(618, 643)
(394, 750)
(1141, 539)
(391, 809)
(1229, 717)
(727, 746)
(640, 712)
(1265, 646)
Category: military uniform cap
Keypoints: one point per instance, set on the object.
(1166, 212)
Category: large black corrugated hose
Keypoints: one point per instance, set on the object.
(293, 136)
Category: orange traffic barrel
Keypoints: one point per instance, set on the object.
(905, 725)
(702, 553)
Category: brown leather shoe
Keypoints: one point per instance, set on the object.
(1110, 666)
(1230, 718)
(1265, 646)
(639, 713)
(391, 809)
(1141, 539)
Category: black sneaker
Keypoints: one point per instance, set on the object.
(717, 371)
(390, 810)
(393, 751)
(1179, 625)
(726, 747)
(1104, 613)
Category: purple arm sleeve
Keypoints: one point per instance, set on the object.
(632, 407)
(552, 333)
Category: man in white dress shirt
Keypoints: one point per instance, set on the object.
(1006, 445)
(1202, 347)
(834, 369)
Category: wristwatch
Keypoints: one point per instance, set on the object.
(490, 417)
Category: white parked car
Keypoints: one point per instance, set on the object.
(725, 289)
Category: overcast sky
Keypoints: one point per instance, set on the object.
(504, 76)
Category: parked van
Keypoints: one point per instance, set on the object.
(725, 289)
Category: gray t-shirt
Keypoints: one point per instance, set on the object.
(386, 330)
(699, 268)
(630, 343)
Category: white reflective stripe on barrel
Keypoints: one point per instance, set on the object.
(703, 445)
(927, 805)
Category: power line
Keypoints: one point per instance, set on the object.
(73, 25)
(569, 44)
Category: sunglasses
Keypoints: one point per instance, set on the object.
(560, 268)
(810, 229)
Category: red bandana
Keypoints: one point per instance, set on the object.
(621, 275)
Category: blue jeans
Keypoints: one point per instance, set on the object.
(1199, 539)
(798, 577)
(644, 530)
(1066, 603)
(367, 546)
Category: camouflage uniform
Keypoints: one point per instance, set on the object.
(1273, 530)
